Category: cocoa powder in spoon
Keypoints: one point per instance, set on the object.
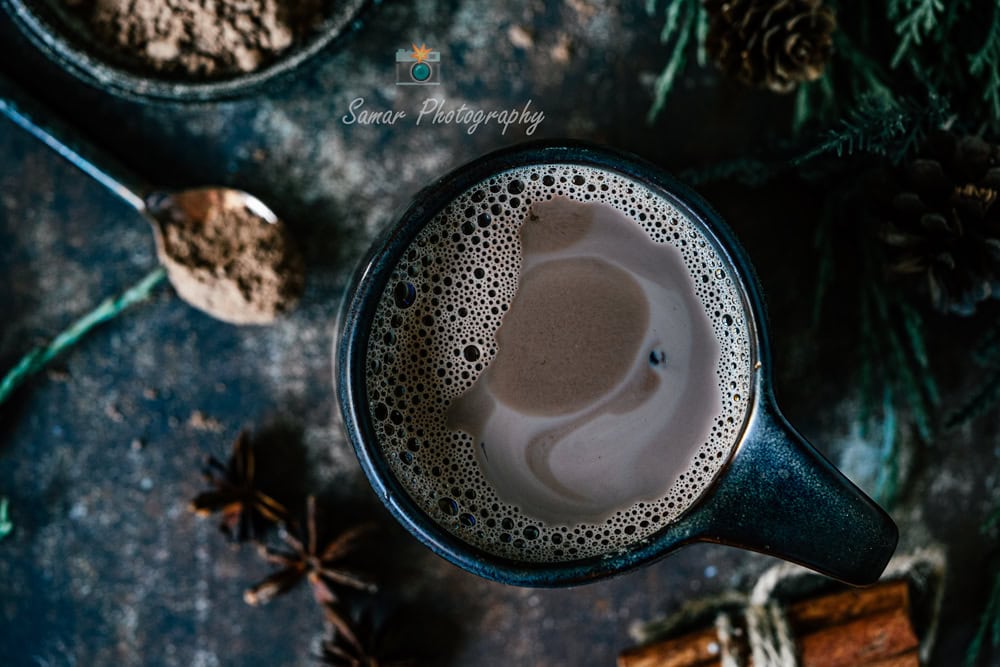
(228, 261)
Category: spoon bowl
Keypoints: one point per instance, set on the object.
(225, 251)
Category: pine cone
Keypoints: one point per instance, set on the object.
(773, 44)
(943, 222)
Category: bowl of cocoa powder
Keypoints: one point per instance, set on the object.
(184, 50)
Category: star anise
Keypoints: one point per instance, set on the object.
(304, 559)
(345, 648)
(244, 507)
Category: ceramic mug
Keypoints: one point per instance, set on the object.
(775, 494)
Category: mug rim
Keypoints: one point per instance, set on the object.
(374, 272)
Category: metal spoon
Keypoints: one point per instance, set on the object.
(242, 276)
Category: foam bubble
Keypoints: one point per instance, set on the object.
(434, 332)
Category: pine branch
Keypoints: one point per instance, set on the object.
(868, 128)
(914, 20)
(37, 358)
(678, 57)
(670, 19)
(987, 61)
(881, 125)
(701, 32)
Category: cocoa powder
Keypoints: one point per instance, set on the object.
(203, 38)
(228, 261)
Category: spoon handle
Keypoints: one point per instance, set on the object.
(25, 111)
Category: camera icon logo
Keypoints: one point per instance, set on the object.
(419, 67)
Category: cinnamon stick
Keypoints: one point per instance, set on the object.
(858, 642)
(836, 608)
(910, 659)
(698, 649)
(853, 628)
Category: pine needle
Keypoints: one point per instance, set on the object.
(887, 484)
(914, 20)
(5, 523)
(37, 358)
(987, 61)
(678, 57)
(701, 32)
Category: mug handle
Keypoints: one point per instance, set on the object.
(781, 497)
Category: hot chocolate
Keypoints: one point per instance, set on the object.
(559, 365)
(603, 387)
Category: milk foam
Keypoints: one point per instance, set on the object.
(434, 333)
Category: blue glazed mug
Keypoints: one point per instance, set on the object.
(775, 494)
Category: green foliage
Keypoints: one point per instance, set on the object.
(681, 20)
(986, 63)
(896, 375)
(5, 523)
(914, 20)
(897, 389)
(881, 125)
(36, 359)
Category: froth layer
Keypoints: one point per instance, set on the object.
(435, 331)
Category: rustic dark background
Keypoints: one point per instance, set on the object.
(100, 456)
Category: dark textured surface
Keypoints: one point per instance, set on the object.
(106, 566)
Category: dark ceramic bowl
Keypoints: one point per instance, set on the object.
(776, 494)
(65, 39)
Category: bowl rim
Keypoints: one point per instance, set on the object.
(127, 84)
